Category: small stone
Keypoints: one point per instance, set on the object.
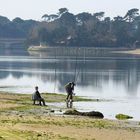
(52, 111)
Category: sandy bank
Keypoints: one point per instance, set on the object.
(136, 52)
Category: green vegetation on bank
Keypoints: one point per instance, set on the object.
(26, 127)
(21, 102)
(53, 97)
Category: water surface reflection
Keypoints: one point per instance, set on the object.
(106, 77)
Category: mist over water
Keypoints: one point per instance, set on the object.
(113, 78)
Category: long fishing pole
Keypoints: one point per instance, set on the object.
(55, 73)
(76, 65)
(77, 75)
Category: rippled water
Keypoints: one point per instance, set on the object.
(113, 78)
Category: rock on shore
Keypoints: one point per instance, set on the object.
(94, 114)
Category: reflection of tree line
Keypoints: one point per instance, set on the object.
(91, 73)
(69, 52)
(72, 51)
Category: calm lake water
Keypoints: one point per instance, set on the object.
(113, 78)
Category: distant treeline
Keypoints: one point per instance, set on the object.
(83, 29)
(17, 28)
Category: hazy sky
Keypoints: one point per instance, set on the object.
(34, 9)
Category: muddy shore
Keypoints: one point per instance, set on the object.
(20, 120)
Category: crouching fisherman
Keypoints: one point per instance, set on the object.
(37, 97)
(70, 91)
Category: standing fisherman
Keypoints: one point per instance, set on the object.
(70, 89)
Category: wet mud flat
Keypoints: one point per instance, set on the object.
(21, 120)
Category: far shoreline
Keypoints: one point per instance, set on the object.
(79, 51)
(45, 47)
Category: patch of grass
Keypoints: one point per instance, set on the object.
(53, 97)
(123, 117)
(77, 99)
(62, 121)
(28, 135)
(88, 123)
(65, 138)
(1, 138)
(24, 101)
(27, 107)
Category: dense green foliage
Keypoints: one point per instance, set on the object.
(86, 29)
(17, 28)
(83, 29)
